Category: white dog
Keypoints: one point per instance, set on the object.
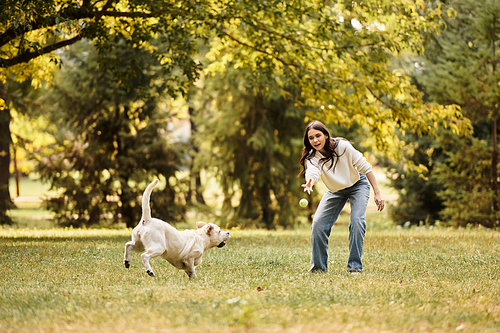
(183, 249)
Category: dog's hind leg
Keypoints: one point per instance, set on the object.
(129, 246)
(150, 253)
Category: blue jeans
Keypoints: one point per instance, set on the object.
(327, 214)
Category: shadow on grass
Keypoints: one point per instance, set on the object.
(55, 239)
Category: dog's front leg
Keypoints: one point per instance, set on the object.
(190, 268)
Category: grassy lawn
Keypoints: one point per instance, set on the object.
(416, 280)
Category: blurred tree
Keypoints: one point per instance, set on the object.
(251, 139)
(466, 184)
(18, 96)
(31, 30)
(195, 175)
(111, 138)
(334, 53)
(5, 141)
(418, 200)
(251, 142)
(460, 66)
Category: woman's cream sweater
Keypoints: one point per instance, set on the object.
(349, 165)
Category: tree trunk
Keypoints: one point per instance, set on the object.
(494, 157)
(129, 214)
(196, 175)
(16, 171)
(5, 140)
(265, 194)
(267, 211)
(494, 164)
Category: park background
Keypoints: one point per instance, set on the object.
(98, 98)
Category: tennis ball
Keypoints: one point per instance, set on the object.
(303, 203)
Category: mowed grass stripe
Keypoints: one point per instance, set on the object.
(437, 280)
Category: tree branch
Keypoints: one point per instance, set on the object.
(262, 27)
(12, 33)
(258, 50)
(25, 57)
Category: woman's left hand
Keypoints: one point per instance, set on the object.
(379, 201)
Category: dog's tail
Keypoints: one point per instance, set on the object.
(146, 209)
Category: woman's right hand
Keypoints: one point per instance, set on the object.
(308, 186)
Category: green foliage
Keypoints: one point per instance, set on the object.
(252, 140)
(454, 185)
(335, 53)
(418, 200)
(110, 140)
(329, 58)
(31, 30)
(338, 56)
(465, 177)
(416, 280)
(460, 66)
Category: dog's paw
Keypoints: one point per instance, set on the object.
(127, 264)
(151, 273)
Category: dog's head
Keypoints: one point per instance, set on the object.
(217, 237)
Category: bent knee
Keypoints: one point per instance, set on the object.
(358, 224)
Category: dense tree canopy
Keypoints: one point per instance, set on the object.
(459, 66)
(110, 140)
(331, 58)
(251, 142)
(335, 51)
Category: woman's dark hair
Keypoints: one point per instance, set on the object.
(330, 145)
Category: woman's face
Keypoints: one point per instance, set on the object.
(317, 140)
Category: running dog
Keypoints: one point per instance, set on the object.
(183, 249)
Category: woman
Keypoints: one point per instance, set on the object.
(345, 173)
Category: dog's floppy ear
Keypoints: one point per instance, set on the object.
(209, 229)
(200, 224)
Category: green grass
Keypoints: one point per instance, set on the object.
(416, 280)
